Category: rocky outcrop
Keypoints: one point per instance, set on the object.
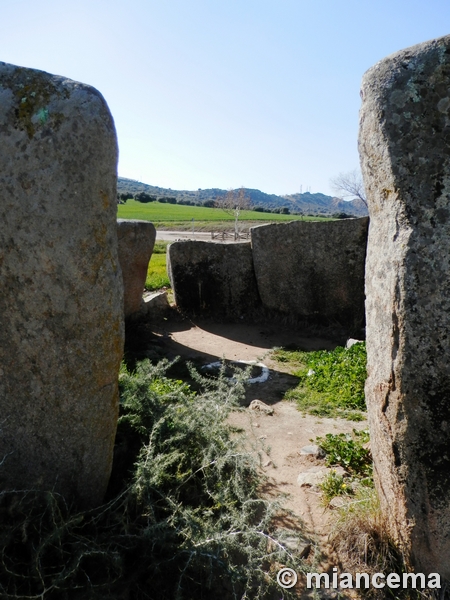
(136, 242)
(312, 269)
(211, 279)
(61, 306)
(404, 124)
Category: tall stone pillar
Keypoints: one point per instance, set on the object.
(61, 299)
(404, 146)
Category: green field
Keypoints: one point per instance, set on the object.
(174, 214)
(157, 277)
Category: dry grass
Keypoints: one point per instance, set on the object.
(362, 544)
(360, 536)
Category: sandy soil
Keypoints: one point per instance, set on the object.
(278, 438)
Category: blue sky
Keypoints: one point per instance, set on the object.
(223, 93)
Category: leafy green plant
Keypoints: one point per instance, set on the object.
(333, 485)
(331, 382)
(183, 518)
(348, 451)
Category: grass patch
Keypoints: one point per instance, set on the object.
(157, 277)
(157, 212)
(360, 538)
(160, 247)
(331, 382)
(184, 519)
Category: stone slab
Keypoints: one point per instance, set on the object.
(312, 269)
(61, 306)
(215, 280)
(136, 242)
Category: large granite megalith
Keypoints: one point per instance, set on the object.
(61, 300)
(136, 242)
(312, 269)
(405, 156)
(214, 280)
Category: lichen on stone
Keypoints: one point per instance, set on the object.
(33, 91)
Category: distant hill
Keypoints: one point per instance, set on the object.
(307, 203)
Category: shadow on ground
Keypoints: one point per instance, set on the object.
(205, 342)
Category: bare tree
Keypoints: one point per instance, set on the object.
(349, 186)
(233, 203)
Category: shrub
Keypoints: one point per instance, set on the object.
(167, 200)
(126, 196)
(342, 215)
(184, 519)
(209, 203)
(144, 197)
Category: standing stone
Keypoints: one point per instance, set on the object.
(61, 305)
(214, 280)
(312, 269)
(405, 156)
(136, 242)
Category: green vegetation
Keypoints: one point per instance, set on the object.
(331, 383)
(307, 203)
(332, 486)
(157, 277)
(184, 519)
(172, 214)
(348, 451)
(160, 247)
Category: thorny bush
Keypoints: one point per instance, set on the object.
(183, 518)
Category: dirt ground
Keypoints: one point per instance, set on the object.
(278, 438)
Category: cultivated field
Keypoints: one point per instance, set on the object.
(177, 216)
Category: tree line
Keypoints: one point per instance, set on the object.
(233, 200)
(144, 197)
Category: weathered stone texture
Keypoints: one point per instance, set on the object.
(136, 242)
(405, 157)
(61, 305)
(213, 279)
(155, 305)
(312, 269)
